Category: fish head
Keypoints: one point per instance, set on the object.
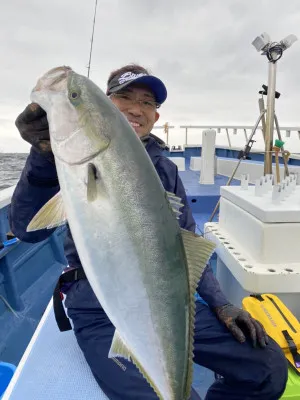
(80, 128)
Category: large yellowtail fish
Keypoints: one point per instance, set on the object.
(142, 267)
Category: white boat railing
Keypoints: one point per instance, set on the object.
(5, 196)
(228, 136)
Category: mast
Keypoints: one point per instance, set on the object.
(273, 51)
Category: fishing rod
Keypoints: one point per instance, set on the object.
(92, 40)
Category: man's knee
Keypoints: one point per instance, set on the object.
(274, 371)
(118, 378)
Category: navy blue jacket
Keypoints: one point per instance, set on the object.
(39, 183)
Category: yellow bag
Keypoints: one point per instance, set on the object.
(279, 322)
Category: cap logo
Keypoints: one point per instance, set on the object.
(129, 76)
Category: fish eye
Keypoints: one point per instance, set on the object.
(74, 95)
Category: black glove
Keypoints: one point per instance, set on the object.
(239, 322)
(33, 126)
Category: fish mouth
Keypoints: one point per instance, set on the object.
(54, 80)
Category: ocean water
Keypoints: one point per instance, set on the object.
(11, 166)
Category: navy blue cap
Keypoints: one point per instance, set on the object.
(120, 82)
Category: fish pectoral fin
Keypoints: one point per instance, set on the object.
(91, 182)
(198, 251)
(175, 203)
(119, 349)
(51, 215)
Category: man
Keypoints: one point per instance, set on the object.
(227, 340)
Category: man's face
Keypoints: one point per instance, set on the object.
(138, 105)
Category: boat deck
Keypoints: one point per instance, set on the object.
(203, 198)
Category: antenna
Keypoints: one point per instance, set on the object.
(92, 40)
(273, 51)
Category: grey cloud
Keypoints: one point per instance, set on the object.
(200, 48)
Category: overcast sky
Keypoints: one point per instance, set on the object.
(201, 49)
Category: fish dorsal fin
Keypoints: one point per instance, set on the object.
(175, 203)
(198, 252)
(119, 349)
(51, 215)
